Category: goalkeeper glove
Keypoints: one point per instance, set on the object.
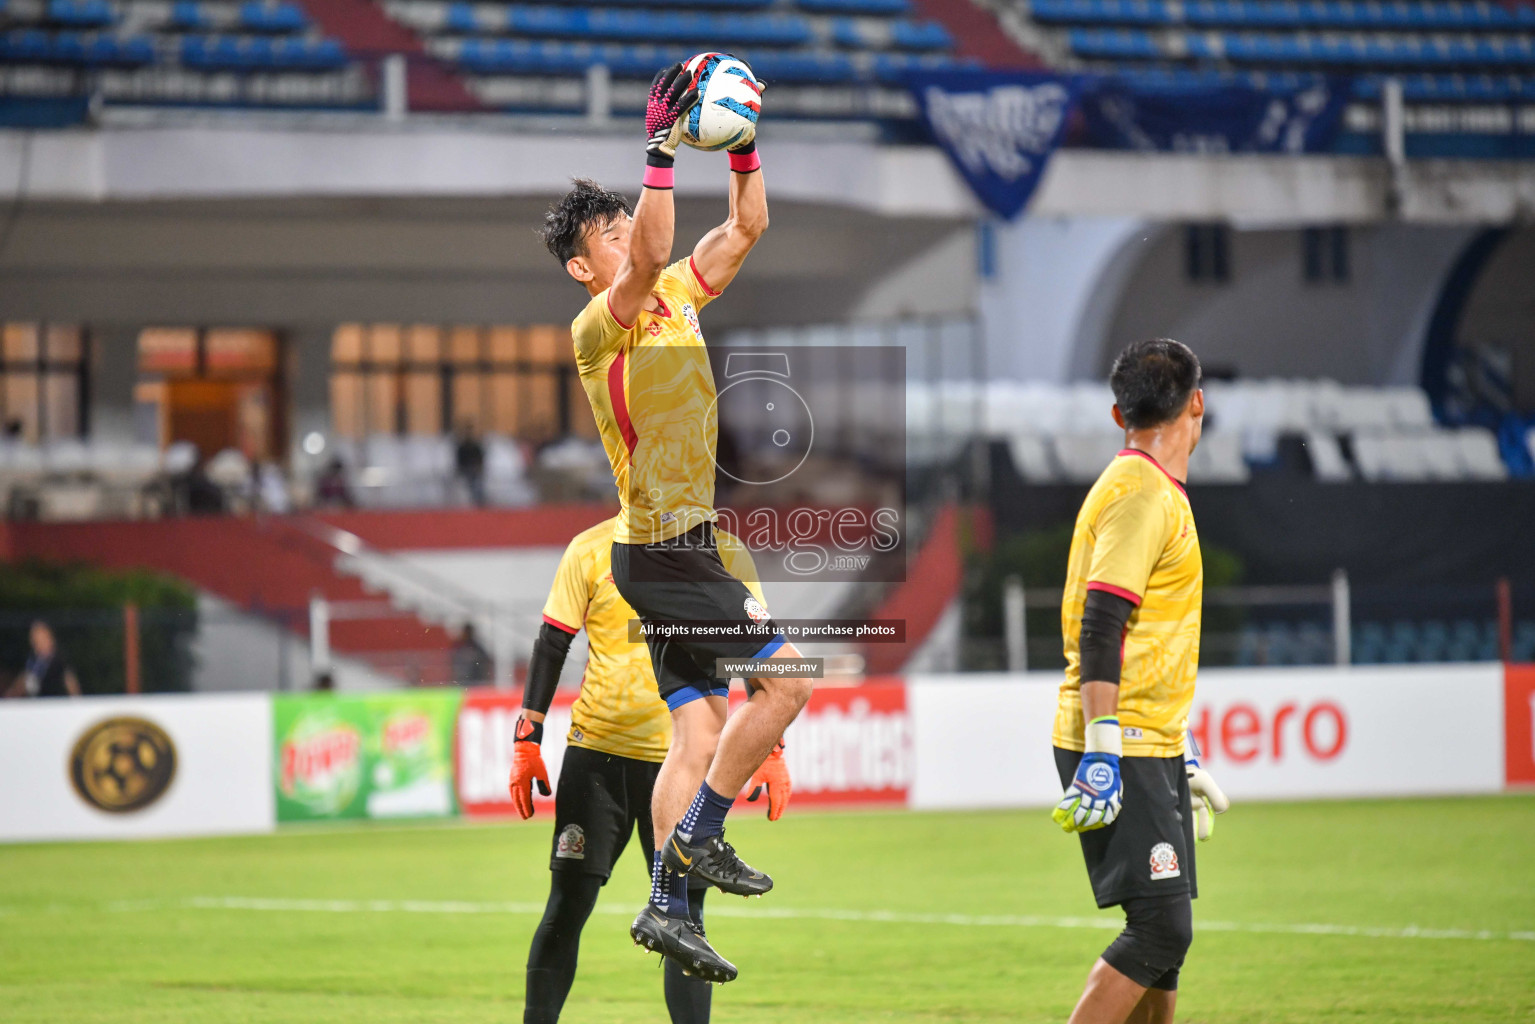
(672, 94)
(774, 775)
(1093, 798)
(1207, 798)
(527, 766)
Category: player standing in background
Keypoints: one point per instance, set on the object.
(619, 734)
(643, 363)
(1131, 618)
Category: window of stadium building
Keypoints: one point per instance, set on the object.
(44, 372)
(428, 380)
(218, 388)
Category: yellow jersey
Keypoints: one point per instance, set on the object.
(1135, 538)
(619, 710)
(652, 392)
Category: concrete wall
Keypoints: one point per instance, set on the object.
(1266, 321)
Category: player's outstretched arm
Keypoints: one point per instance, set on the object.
(719, 254)
(650, 237)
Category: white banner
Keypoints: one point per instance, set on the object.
(1379, 730)
(1391, 730)
(121, 767)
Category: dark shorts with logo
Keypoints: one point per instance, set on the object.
(683, 580)
(1153, 833)
(600, 801)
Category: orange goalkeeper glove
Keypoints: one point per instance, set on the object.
(774, 774)
(528, 766)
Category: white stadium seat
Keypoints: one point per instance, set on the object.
(1081, 457)
(1477, 453)
(1218, 460)
(1032, 458)
(1327, 460)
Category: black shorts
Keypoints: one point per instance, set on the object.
(683, 580)
(601, 799)
(1149, 850)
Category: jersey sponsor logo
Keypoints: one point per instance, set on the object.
(1133, 732)
(654, 328)
(122, 764)
(1164, 862)
(572, 843)
(667, 517)
(755, 611)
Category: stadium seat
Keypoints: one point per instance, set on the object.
(1032, 458)
(1218, 460)
(1327, 460)
(80, 13)
(256, 16)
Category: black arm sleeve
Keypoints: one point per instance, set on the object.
(1103, 633)
(549, 652)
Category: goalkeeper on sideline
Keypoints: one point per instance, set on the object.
(620, 731)
(1131, 620)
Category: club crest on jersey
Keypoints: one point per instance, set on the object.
(691, 316)
(572, 844)
(1164, 862)
(755, 611)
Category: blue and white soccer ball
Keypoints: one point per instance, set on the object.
(729, 102)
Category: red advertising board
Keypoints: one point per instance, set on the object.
(851, 745)
(1519, 724)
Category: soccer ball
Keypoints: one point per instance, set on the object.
(729, 102)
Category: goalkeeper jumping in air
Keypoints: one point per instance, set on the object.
(619, 734)
(641, 357)
(1131, 621)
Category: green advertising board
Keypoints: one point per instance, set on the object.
(373, 755)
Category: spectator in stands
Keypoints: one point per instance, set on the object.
(471, 662)
(272, 489)
(47, 673)
(331, 488)
(469, 463)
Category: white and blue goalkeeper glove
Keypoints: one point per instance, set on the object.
(1207, 798)
(1093, 798)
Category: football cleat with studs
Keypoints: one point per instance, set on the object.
(716, 862)
(679, 939)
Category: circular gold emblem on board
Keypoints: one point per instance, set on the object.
(122, 764)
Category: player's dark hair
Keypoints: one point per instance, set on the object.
(587, 204)
(1153, 380)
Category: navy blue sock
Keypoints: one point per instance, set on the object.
(668, 890)
(707, 815)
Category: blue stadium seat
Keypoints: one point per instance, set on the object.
(862, 7)
(920, 35)
(847, 32)
(256, 16)
(80, 13)
(805, 67)
(188, 16)
(460, 18)
(68, 48)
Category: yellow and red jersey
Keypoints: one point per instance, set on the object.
(1135, 538)
(619, 710)
(652, 392)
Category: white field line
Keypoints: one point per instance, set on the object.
(716, 909)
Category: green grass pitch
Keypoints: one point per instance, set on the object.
(1425, 911)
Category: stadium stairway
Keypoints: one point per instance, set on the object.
(978, 34)
(261, 566)
(365, 28)
(934, 576)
